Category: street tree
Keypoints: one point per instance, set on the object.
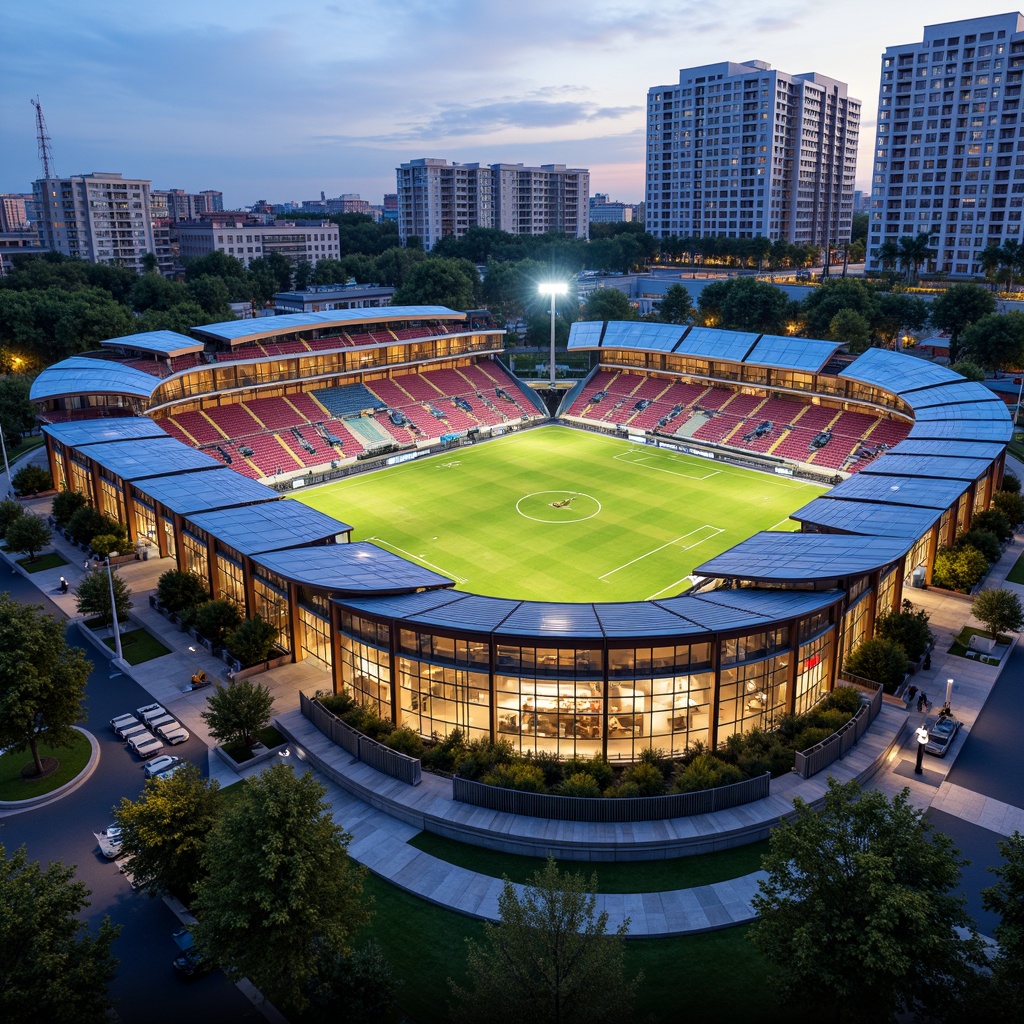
(93, 593)
(608, 304)
(177, 590)
(861, 915)
(913, 251)
(880, 660)
(28, 534)
(237, 712)
(676, 307)
(906, 627)
(1000, 611)
(1011, 504)
(753, 305)
(9, 512)
(439, 282)
(996, 341)
(252, 641)
(42, 680)
(956, 309)
(849, 327)
(896, 312)
(215, 619)
(829, 298)
(164, 831)
(1006, 898)
(279, 887)
(551, 960)
(51, 968)
(65, 504)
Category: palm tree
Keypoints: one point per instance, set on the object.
(887, 254)
(990, 259)
(912, 253)
(1012, 256)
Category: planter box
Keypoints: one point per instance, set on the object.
(263, 666)
(259, 755)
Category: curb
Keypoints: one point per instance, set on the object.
(8, 807)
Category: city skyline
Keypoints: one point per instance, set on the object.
(202, 107)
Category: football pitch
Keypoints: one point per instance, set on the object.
(555, 514)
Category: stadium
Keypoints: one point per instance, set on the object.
(709, 620)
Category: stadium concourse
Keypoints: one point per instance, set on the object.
(301, 399)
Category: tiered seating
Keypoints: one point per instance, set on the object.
(150, 366)
(197, 426)
(715, 398)
(349, 400)
(888, 432)
(270, 455)
(274, 413)
(419, 387)
(285, 348)
(341, 340)
(388, 392)
(583, 404)
(401, 435)
(179, 363)
(308, 407)
(368, 431)
(234, 420)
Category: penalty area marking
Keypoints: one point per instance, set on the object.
(715, 531)
(418, 558)
(649, 461)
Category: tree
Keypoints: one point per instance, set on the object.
(969, 370)
(550, 960)
(993, 521)
(42, 680)
(822, 304)
(176, 590)
(1011, 504)
(985, 541)
(279, 886)
(896, 312)
(51, 968)
(912, 253)
(880, 660)
(608, 304)
(439, 282)
(956, 309)
(888, 254)
(16, 413)
(215, 619)
(959, 568)
(252, 641)
(907, 628)
(164, 832)
(752, 305)
(93, 593)
(88, 522)
(1006, 898)
(865, 881)
(362, 981)
(996, 341)
(236, 712)
(676, 307)
(849, 327)
(9, 512)
(31, 479)
(1000, 610)
(65, 504)
(29, 534)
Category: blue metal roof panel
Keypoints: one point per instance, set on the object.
(967, 430)
(897, 372)
(360, 567)
(771, 603)
(260, 327)
(870, 518)
(802, 556)
(217, 488)
(166, 343)
(711, 343)
(955, 393)
(541, 618)
(643, 618)
(77, 434)
(892, 490)
(896, 464)
(473, 613)
(951, 449)
(80, 375)
(255, 529)
(585, 334)
(792, 353)
(640, 335)
(402, 606)
(150, 456)
(717, 617)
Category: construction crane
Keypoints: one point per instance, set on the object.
(45, 152)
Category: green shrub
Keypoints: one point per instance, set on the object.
(516, 775)
(959, 568)
(827, 718)
(880, 660)
(596, 767)
(657, 758)
(176, 590)
(994, 521)
(1011, 483)
(338, 703)
(1011, 504)
(32, 479)
(985, 541)
(481, 755)
(579, 784)
(66, 504)
(215, 619)
(252, 641)
(705, 771)
(444, 754)
(549, 763)
(405, 741)
(844, 698)
(808, 737)
(907, 628)
(104, 544)
(640, 779)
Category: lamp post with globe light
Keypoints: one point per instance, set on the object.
(552, 288)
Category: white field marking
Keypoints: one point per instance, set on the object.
(558, 522)
(673, 587)
(781, 522)
(650, 461)
(672, 543)
(418, 558)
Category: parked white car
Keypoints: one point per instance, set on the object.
(151, 711)
(145, 746)
(160, 764)
(109, 841)
(173, 732)
(135, 732)
(123, 722)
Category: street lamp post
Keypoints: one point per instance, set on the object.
(553, 288)
(7, 468)
(113, 611)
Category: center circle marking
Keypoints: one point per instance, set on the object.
(558, 506)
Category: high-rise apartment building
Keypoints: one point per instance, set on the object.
(14, 211)
(949, 149)
(743, 151)
(100, 217)
(437, 199)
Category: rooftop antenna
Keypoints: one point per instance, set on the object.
(45, 151)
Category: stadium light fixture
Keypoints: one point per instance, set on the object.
(552, 288)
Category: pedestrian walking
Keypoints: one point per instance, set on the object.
(63, 585)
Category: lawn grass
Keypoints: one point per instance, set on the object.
(49, 560)
(1016, 574)
(138, 646)
(72, 761)
(645, 876)
(961, 645)
(640, 519)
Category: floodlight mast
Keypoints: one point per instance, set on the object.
(553, 288)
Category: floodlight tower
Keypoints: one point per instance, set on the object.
(43, 138)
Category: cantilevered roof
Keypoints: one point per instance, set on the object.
(586, 334)
(952, 449)
(725, 611)
(254, 529)
(148, 457)
(165, 343)
(219, 488)
(78, 433)
(897, 372)
(638, 335)
(711, 343)
(986, 411)
(897, 464)
(542, 618)
(802, 557)
(357, 568)
(965, 391)
(868, 517)
(80, 375)
(899, 490)
(237, 331)
(1000, 430)
(788, 353)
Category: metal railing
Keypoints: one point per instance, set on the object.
(376, 755)
(609, 809)
(815, 759)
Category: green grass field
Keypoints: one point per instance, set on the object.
(561, 515)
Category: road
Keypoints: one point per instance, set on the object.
(146, 987)
(989, 763)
